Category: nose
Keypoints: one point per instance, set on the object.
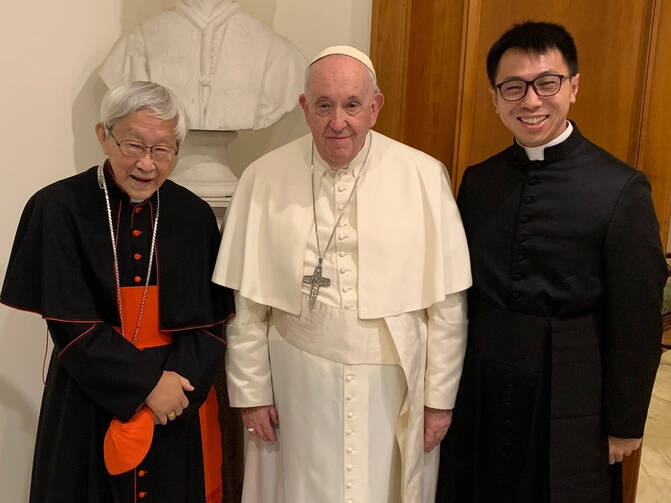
(531, 99)
(145, 161)
(338, 120)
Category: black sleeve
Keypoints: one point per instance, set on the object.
(196, 354)
(113, 372)
(634, 277)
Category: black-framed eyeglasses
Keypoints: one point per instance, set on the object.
(136, 149)
(544, 86)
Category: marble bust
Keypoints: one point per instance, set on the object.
(229, 70)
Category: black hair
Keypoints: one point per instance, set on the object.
(533, 37)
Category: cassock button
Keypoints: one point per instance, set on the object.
(521, 256)
(525, 218)
(137, 232)
(349, 432)
(349, 485)
(137, 256)
(142, 494)
(349, 468)
(529, 199)
(534, 181)
(138, 209)
(142, 473)
(349, 450)
(137, 279)
(350, 416)
(522, 238)
(341, 254)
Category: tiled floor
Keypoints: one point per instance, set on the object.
(654, 480)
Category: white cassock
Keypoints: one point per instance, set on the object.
(228, 70)
(351, 377)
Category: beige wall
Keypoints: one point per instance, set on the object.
(49, 93)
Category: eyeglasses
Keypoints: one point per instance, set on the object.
(544, 86)
(136, 149)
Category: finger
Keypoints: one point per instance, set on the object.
(178, 411)
(428, 440)
(265, 430)
(274, 418)
(162, 418)
(186, 384)
(184, 402)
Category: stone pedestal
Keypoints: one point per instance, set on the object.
(202, 167)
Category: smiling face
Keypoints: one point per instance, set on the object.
(340, 106)
(534, 120)
(139, 177)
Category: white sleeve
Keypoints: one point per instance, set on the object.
(446, 346)
(247, 362)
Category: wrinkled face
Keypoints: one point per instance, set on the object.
(140, 176)
(534, 120)
(340, 107)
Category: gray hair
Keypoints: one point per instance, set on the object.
(130, 97)
(373, 79)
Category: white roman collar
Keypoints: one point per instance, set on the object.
(538, 153)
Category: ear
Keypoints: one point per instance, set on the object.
(303, 101)
(102, 136)
(495, 98)
(574, 87)
(378, 101)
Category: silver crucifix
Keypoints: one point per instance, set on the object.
(315, 281)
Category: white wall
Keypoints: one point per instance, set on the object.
(49, 94)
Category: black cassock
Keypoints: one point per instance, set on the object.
(565, 326)
(61, 267)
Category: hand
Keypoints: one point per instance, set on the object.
(436, 424)
(168, 396)
(263, 419)
(618, 448)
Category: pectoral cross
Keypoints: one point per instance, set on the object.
(315, 281)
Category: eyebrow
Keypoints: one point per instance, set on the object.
(541, 74)
(160, 141)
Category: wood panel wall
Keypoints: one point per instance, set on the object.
(653, 155)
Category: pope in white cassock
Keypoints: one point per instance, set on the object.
(350, 267)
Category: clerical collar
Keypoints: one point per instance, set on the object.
(353, 167)
(219, 14)
(538, 153)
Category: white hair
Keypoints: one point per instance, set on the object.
(373, 79)
(131, 97)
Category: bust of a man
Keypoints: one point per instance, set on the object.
(229, 70)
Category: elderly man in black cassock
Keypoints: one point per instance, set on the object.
(118, 260)
(565, 308)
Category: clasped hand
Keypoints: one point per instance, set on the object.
(168, 396)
